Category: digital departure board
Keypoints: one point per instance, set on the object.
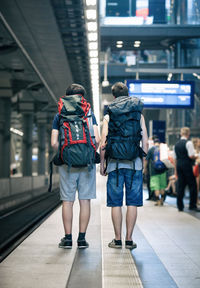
(163, 94)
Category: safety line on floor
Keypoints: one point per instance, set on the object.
(118, 266)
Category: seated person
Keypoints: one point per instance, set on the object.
(171, 187)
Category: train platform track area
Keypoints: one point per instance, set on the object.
(167, 253)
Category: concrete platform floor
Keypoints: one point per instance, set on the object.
(168, 252)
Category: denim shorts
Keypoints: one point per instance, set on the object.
(77, 179)
(134, 192)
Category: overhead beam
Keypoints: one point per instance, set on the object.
(160, 31)
(115, 70)
(163, 71)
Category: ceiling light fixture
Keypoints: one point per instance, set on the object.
(91, 2)
(16, 131)
(92, 36)
(94, 60)
(94, 67)
(93, 46)
(91, 14)
(93, 53)
(92, 26)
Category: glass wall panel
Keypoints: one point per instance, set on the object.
(149, 12)
(190, 51)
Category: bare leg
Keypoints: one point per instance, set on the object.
(169, 185)
(197, 180)
(174, 188)
(157, 193)
(162, 192)
(158, 200)
(131, 216)
(67, 216)
(116, 213)
(84, 215)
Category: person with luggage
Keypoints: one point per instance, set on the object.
(122, 133)
(75, 137)
(158, 178)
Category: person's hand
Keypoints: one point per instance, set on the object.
(102, 169)
(144, 171)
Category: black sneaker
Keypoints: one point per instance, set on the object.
(65, 243)
(130, 245)
(115, 244)
(195, 209)
(82, 244)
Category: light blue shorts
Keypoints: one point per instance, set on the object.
(77, 179)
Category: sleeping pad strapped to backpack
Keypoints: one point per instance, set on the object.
(124, 129)
(76, 135)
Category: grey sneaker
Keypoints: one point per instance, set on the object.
(130, 245)
(65, 243)
(115, 244)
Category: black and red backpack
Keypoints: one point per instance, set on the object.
(76, 134)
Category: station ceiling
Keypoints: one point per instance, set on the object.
(43, 46)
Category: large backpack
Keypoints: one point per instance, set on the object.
(158, 165)
(124, 129)
(76, 134)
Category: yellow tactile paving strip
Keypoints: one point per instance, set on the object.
(118, 267)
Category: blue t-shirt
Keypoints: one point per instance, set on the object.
(56, 121)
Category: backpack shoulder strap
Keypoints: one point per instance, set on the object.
(90, 124)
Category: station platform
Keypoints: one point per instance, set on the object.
(167, 256)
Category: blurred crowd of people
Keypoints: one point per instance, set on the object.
(170, 175)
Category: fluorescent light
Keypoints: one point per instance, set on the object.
(119, 46)
(95, 75)
(95, 83)
(94, 60)
(93, 46)
(95, 80)
(95, 91)
(94, 66)
(91, 2)
(93, 53)
(92, 36)
(119, 42)
(136, 45)
(16, 131)
(137, 42)
(91, 14)
(92, 26)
